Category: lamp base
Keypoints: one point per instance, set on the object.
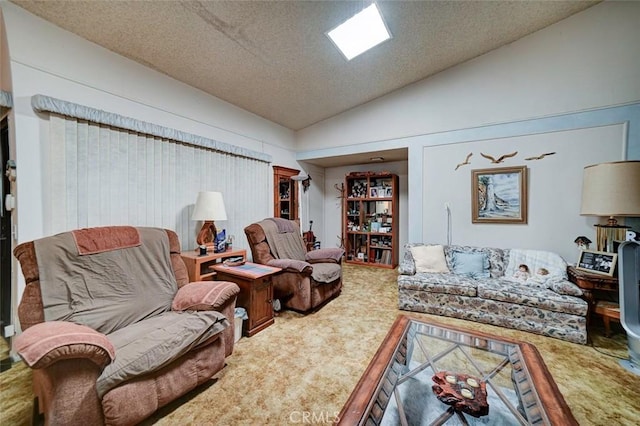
(206, 236)
(607, 234)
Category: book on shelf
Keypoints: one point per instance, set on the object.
(385, 259)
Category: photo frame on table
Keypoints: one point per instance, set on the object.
(499, 195)
(597, 262)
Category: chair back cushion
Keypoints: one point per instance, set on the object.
(108, 286)
(260, 251)
(284, 238)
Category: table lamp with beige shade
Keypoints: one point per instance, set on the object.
(611, 190)
(209, 208)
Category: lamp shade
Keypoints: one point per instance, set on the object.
(611, 189)
(209, 206)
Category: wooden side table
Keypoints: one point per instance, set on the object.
(256, 292)
(608, 311)
(591, 284)
(200, 268)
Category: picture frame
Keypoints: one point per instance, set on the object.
(597, 262)
(373, 192)
(499, 195)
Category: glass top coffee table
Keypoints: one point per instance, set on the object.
(466, 368)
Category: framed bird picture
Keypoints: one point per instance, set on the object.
(499, 195)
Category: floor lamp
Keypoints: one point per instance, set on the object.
(611, 190)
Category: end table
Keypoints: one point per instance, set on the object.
(608, 311)
(200, 268)
(256, 292)
(591, 285)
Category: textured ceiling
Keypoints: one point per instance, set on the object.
(273, 58)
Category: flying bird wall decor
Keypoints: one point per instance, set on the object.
(501, 158)
(539, 157)
(466, 161)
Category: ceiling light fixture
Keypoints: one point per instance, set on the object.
(376, 159)
(360, 33)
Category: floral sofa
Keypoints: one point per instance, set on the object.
(494, 292)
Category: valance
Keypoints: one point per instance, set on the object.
(42, 103)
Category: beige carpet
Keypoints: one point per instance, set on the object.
(310, 364)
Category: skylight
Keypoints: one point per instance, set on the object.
(360, 33)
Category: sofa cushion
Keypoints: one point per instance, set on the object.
(566, 288)
(533, 296)
(563, 326)
(439, 283)
(429, 258)
(474, 265)
(497, 257)
(536, 259)
(149, 345)
(326, 272)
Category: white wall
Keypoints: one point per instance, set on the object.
(312, 201)
(589, 60)
(333, 205)
(554, 188)
(578, 74)
(50, 61)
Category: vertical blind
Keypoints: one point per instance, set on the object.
(97, 175)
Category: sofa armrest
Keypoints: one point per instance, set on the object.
(408, 265)
(291, 265)
(204, 295)
(325, 255)
(565, 287)
(48, 342)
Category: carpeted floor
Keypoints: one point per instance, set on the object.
(308, 366)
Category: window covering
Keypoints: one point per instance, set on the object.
(42, 103)
(98, 175)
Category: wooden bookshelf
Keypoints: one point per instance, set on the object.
(370, 219)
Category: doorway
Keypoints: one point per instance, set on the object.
(5, 250)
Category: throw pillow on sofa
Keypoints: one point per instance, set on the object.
(474, 265)
(429, 258)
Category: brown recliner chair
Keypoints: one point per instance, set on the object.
(308, 279)
(113, 330)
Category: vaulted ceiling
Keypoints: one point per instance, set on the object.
(273, 58)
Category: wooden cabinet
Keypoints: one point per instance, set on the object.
(256, 293)
(200, 268)
(285, 193)
(370, 219)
